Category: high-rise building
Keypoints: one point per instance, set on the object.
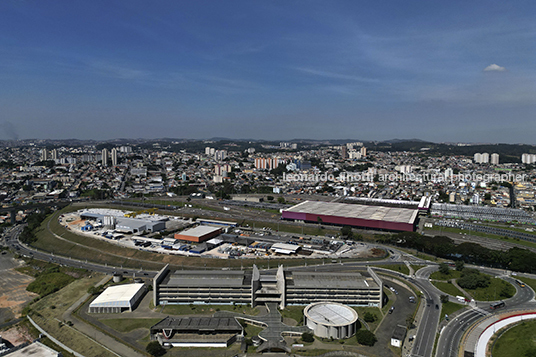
(495, 159)
(114, 157)
(364, 151)
(54, 154)
(262, 163)
(344, 152)
(104, 157)
(481, 158)
(44, 155)
(528, 158)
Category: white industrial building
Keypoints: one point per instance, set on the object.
(117, 299)
(331, 320)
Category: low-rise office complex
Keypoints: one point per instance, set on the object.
(256, 287)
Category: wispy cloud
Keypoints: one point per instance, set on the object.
(494, 68)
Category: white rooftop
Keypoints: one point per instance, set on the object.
(117, 296)
(327, 313)
(199, 231)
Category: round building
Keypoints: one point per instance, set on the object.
(330, 319)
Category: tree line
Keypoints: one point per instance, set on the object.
(517, 259)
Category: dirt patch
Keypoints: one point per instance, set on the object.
(17, 335)
(13, 294)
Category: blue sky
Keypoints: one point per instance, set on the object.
(369, 70)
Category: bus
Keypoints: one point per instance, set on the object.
(496, 305)
(520, 283)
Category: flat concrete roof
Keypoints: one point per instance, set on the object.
(332, 280)
(326, 313)
(36, 349)
(117, 296)
(199, 231)
(206, 278)
(195, 324)
(376, 213)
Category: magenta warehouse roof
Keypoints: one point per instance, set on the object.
(391, 218)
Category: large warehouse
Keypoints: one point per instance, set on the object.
(198, 234)
(331, 320)
(259, 287)
(355, 215)
(117, 299)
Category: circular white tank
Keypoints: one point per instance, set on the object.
(330, 319)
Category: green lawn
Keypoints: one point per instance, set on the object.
(493, 291)
(448, 288)
(253, 330)
(400, 268)
(47, 311)
(294, 312)
(127, 325)
(530, 282)
(453, 274)
(449, 308)
(192, 309)
(517, 341)
(374, 310)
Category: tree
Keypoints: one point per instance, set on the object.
(346, 231)
(280, 199)
(444, 269)
(155, 349)
(365, 337)
(472, 279)
(369, 317)
(409, 321)
(459, 265)
(444, 299)
(307, 337)
(270, 198)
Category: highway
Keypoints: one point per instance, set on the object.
(21, 249)
(450, 338)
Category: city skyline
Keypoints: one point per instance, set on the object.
(440, 72)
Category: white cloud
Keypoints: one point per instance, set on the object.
(494, 68)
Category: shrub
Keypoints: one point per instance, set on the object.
(307, 337)
(365, 337)
(155, 349)
(369, 317)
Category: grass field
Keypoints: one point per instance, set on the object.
(48, 312)
(517, 341)
(447, 288)
(293, 312)
(251, 330)
(490, 236)
(530, 282)
(192, 309)
(400, 268)
(453, 274)
(449, 308)
(493, 291)
(127, 325)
